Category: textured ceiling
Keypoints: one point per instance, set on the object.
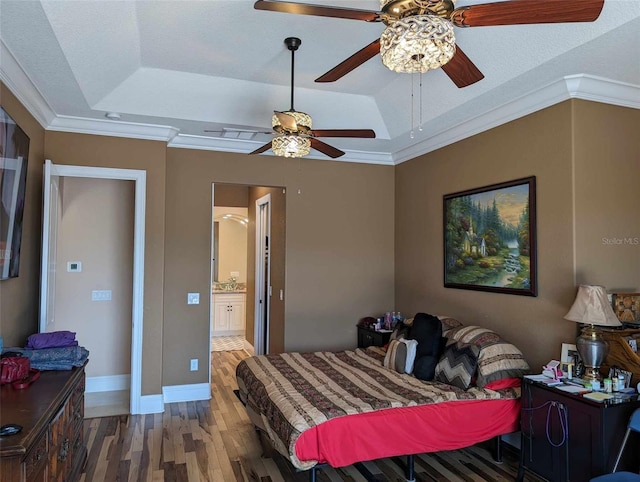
(193, 66)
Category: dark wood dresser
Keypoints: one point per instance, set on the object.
(566, 437)
(50, 446)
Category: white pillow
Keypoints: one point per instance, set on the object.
(412, 346)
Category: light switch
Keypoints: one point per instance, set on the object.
(193, 298)
(74, 266)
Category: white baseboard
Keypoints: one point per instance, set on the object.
(227, 333)
(108, 383)
(151, 404)
(186, 393)
(172, 394)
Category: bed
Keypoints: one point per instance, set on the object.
(341, 408)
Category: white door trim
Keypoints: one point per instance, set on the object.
(140, 179)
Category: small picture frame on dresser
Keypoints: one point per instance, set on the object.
(569, 357)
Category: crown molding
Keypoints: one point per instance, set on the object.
(598, 89)
(105, 127)
(586, 87)
(13, 76)
(241, 146)
(581, 86)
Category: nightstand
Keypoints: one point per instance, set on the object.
(568, 437)
(368, 337)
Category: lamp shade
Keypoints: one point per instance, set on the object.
(592, 307)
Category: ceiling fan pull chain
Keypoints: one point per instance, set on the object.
(412, 107)
(420, 125)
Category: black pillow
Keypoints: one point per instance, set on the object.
(427, 331)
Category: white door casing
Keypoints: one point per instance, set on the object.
(52, 173)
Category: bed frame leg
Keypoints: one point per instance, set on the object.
(497, 449)
(411, 476)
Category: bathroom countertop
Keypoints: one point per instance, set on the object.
(228, 292)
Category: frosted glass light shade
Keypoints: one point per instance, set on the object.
(417, 44)
(291, 146)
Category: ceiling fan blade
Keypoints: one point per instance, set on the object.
(262, 149)
(461, 70)
(287, 121)
(326, 148)
(356, 60)
(520, 12)
(317, 10)
(361, 133)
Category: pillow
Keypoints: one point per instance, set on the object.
(448, 323)
(401, 355)
(412, 346)
(396, 356)
(497, 358)
(427, 331)
(458, 364)
(401, 330)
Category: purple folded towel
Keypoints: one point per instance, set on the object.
(54, 339)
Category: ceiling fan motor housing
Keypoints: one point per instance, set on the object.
(301, 126)
(392, 10)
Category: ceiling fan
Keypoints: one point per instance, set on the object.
(294, 136)
(419, 34)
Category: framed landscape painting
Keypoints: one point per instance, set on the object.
(14, 152)
(490, 238)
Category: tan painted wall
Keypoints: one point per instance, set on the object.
(231, 195)
(96, 228)
(339, 245)
(102, 151)
(541, 144)
(607, 196)
(19, 297)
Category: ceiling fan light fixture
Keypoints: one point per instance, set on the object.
(417, 43)
(291, 146)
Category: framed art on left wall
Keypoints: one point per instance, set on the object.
(14, 152)
(490, 238)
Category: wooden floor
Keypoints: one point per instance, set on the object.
(214, 441)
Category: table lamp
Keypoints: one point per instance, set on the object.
(592, 308)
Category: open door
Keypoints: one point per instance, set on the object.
(263, 275)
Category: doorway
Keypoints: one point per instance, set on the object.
(57, 198)
(265, 263)
(229, 278)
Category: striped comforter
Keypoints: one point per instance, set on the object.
(293, 392)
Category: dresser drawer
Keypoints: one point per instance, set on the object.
(36, 460)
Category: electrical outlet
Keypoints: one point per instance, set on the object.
(193, 298)
(101, 295)
(194, 364)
